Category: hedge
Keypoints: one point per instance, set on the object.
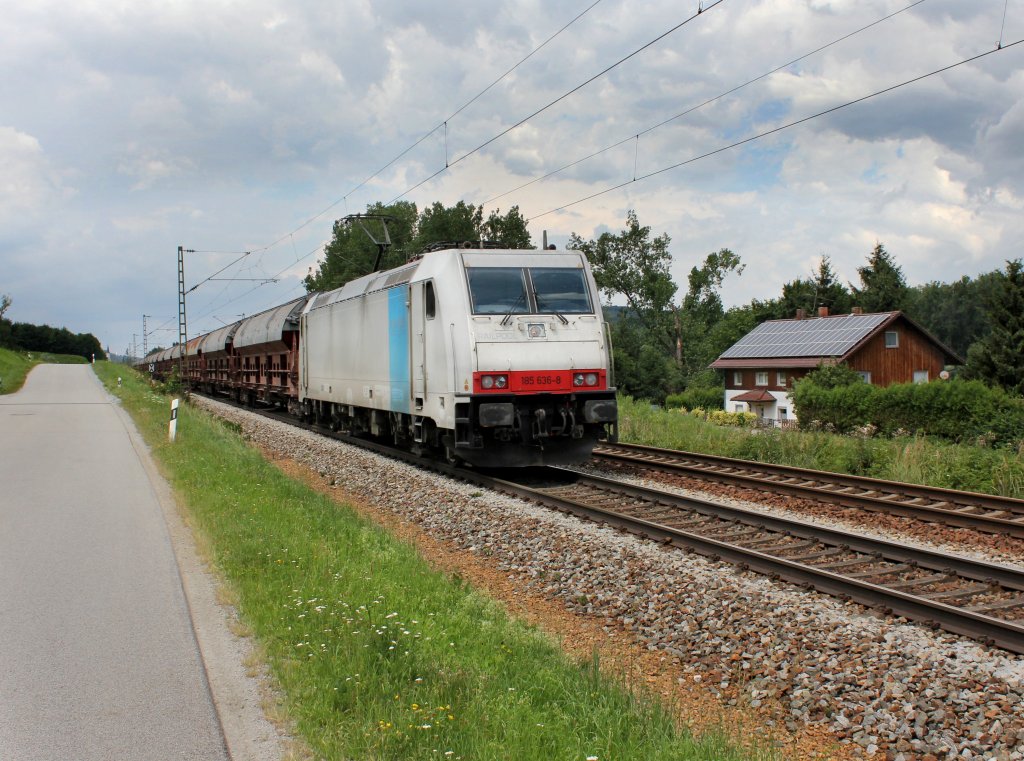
(962, 411)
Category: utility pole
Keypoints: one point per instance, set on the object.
(145, 337)
(182, 326)
(135, 347)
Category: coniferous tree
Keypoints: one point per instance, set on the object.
(822, 289)
(883, 287)
(955, 313)
(999, 357)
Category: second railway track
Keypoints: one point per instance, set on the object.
(977, 599)
(984, 512)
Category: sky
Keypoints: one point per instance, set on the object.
(128, 129)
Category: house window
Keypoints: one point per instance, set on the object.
(920, 376)
(737, 378)
(761, 378)
(864, 375)
(739, 407)
(892, 339)
(780, 379)
(783, 413)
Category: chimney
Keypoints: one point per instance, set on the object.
(857, 310)
(801, 314)
(822, 311)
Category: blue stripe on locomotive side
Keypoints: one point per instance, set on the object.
(398, 349)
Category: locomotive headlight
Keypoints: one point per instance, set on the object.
(591, 379)
(535, 330)
(501, 381)
(577, 379)
(487, 381)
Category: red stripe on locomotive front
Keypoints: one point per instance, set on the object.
(539, 381)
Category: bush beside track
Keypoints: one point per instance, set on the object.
(378, 656)
(912, 458)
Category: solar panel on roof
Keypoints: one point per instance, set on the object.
(814, 337)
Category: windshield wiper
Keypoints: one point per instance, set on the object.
(555, 312)
(508, 317)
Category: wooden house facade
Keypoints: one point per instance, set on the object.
(884, 348)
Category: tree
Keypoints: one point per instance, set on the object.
(701, 311)
(448, 224)
(6, 339)
(999, 357)
(351, 252)
(509, 231)
(633, 265)
(636, 267)
(955, 313)
(883, 288)
(821, 289)
(738, 321)
(642, 369)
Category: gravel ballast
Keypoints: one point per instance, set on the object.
(891, 689)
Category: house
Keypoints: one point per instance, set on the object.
(884, 347)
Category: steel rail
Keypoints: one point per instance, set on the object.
(1004, 515)
(1006, 634)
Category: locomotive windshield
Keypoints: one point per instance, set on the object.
(497, 290)
(560, 290)
(533, 290)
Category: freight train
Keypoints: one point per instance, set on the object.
(496, 358)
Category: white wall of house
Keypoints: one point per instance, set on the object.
(781, 409)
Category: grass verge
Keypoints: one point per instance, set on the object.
(914, 459)
(377, 655)
(15, 365)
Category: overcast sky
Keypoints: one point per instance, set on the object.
(128, 129)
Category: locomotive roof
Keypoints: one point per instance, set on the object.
(471, 257)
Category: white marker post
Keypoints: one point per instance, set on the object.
(173, 430)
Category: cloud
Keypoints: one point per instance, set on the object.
(149, 125)
(29, 184)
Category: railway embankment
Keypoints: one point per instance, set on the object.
(376, 654)
(887, 688)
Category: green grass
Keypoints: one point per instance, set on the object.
(378, 656)
(914, 459)
(14, 366)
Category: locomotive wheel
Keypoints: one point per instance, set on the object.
(451, 458)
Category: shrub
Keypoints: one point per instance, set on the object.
(956, 410)
(705, 397)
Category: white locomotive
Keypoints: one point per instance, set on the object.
(493, 357)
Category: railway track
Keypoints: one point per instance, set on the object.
(984, 512)
(976, 599)
(980, 600)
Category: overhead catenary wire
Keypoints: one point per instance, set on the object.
(560, 98)
(444, 123)
(637, 135)
(434, 129)
(775, 130)
(697, 107)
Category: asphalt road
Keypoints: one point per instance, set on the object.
(98, 654)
